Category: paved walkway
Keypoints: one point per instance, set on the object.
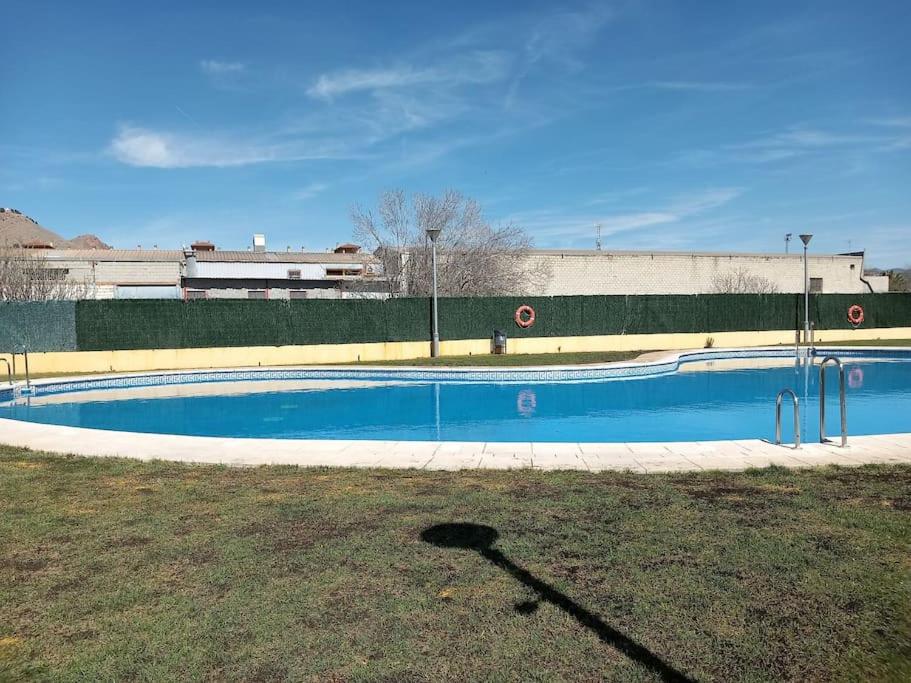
(451, 455)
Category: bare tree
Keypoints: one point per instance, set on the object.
(474, 258)
(26, 276)
(742, 281)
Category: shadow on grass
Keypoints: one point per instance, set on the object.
(480, 539)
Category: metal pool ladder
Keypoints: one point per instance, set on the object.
(778, 400)
(841, 399)
(9, 372)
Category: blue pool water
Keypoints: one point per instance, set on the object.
(703, 404)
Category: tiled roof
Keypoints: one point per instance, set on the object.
(280, 257)
(139, 255)
(705, 254)
(159, 255)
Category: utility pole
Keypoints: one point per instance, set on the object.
(598, 238)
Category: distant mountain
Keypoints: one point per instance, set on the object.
(882, 271)
(17, 229)
(87, 242)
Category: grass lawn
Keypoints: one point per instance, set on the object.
(868, 342)
(121, 570)
(508, 360)
(515, 360)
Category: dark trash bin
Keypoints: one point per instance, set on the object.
(499, 341)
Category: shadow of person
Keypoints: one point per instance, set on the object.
(480, 538)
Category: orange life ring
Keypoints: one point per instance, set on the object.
(525, 316)
(526, 402)
(855, 315)
(856, 378)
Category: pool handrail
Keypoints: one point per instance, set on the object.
(841, 398)
(778, 400)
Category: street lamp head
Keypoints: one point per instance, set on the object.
(433, 233)
(805, 239)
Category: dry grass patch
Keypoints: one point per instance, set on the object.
(122, 570)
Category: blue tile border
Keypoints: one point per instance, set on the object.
(617, 371)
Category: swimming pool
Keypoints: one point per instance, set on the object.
(700, 396)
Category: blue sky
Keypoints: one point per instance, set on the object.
(675, 125)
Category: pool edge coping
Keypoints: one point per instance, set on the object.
(642, 457)
(453, 455)
(653, 366)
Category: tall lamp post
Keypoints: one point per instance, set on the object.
(433, 233)
(806, 290)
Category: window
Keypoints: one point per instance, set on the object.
(294, 275)
(334, 272)
(53, 274)
(816, 285)
(298, 294)
(196, 294)
(256, 294)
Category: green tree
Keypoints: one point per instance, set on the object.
(898, 281)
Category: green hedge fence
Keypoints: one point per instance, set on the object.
(142, 324)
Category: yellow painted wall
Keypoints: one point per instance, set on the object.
(185, 359)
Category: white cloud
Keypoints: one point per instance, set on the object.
(560, 35)
(154, 149)
(794, 142)
(616, 196)
(310, 191)
(899, 144)
(705, 200)
(553, 225)
(699, 86)
(807, 138)
(350, 80)
(411, 109)
(476, 68)
(213, 67)
(764, 156)
(893, 121)
(615, 224)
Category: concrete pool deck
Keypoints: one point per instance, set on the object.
(454, 455)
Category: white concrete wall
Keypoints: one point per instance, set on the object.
(571, 272)
(109, 273)
(276, 293)
(102, 278)
(259, 271)
(678, 273)
(147, 292)
(127, 272)
(880, 283)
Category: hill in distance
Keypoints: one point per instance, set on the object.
(17, 229)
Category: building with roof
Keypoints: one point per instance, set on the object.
(576, 271)
(217, 274)
(119, 273)
(204, 272)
